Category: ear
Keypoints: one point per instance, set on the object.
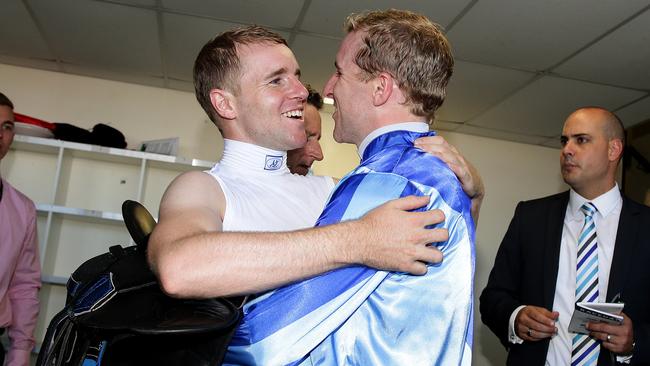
(382, 88)
(615, 149)
(223, 102)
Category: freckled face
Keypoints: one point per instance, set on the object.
(271, 98)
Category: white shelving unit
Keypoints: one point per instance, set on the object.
(78, 190)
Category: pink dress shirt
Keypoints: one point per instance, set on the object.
(20, 273)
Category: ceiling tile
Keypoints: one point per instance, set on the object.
(446, 125)
(103, 73)
(276, 13)
(635, 113)
(474, 88)
(19, 35)
(534, 35)
(632, 70)
(102, 35)
(316, 58)
(541, 107)
(184, 37)
(147, 3)
(326, 17)
(181, 85)
(502, 135)
(30, 62)
(552, 142)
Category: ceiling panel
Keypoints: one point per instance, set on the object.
(30, 62)
(102, 35)
(19, 35)
(633, 70)
(445, 125)
(635, 113)
(276, 13)
(534, 35)
(502, 135)
(553, 142)
(147, 3)
(541, 107)
(475, 87)
(316, 63)
(494, 42)
(102, 73)
(326, 17)
(184, 37)
(187, 86)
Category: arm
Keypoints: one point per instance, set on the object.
(23, 295)
(193, 257)
(466, 172)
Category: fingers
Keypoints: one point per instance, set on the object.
(408, 203)
(534, 323)
(425, 255)
(531, 334)
(616, 338)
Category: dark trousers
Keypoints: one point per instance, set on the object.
(2, 349)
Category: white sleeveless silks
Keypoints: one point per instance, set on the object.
(262, 194)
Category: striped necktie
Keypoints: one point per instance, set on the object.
(585, 349)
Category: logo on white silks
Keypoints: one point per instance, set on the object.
(273, 162)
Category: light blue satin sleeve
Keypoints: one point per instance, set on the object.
(360, 316)
(411, 320)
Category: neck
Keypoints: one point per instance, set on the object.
(593, 192)
(244, 156)
(404, 126)
(388, 115)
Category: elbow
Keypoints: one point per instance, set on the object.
(171, 285)
(169, 280)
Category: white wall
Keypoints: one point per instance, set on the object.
(511, 171)
(139, 112)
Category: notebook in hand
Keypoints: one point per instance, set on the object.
(606, 312)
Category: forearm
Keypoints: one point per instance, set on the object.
(477, 201)
(496, 307)
(25, 309)
(23, 295)
(232, 263)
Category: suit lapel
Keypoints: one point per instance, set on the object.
(626, 236)
(552, 240)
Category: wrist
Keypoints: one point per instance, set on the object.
(346, 244)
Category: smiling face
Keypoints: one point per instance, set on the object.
(6, 129)
(268, 107)
(300, 160)
(352, 95)
(589, 155)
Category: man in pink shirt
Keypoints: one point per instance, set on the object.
(20, 270)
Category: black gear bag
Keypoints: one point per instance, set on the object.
(116, 314)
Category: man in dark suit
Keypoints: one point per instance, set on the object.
(540, 270)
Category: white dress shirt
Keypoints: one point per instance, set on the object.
(606, 220)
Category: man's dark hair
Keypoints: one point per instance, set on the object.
(314, 97)
(5, 101)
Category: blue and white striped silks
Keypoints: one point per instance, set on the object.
(360, 316)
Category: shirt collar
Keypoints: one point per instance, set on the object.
(244, 156)
(605, 203)
(405, 126)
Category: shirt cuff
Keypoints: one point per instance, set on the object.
(512, 335)
(17, 357)
(624, 359)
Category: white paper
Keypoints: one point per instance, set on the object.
(606, 312)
